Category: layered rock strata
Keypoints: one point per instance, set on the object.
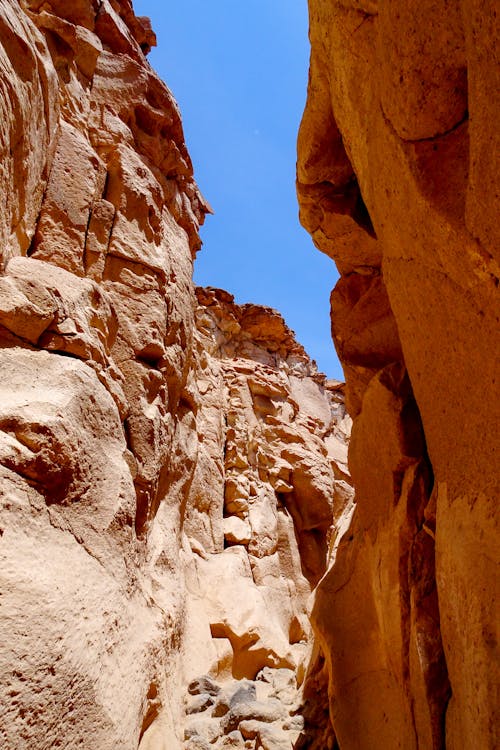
(170, 462)
(398, 183)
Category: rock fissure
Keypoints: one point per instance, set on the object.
(246, 595)
(431, 138)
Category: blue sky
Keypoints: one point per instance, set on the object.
(239, 73)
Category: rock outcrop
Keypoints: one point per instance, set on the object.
(170, 462)
(398, 183)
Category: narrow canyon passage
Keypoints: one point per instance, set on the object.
(189, 559)
(170, 460)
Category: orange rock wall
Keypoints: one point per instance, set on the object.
(398, 183)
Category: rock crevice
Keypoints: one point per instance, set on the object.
(176, 492)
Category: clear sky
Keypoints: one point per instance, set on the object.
(239, 73)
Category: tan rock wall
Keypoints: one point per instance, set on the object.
(97, 437)
(271, 476)
(397, 129)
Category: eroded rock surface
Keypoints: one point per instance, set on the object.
(398, 183)
(270, 479)
(98, 229)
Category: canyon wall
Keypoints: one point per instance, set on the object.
(271, 476)
(397, 181)
(171, 462)
(97, 433)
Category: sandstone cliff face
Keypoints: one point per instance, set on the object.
(96, 327)
(170, 462)
(398, 183)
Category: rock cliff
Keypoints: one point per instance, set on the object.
(398, 183)
(97, 444)
(171, 462)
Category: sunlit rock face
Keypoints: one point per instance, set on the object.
(171, 463)
(99, 225)
(398, 183)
